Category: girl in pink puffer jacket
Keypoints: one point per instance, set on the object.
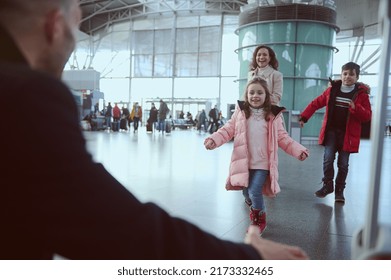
(258, 131)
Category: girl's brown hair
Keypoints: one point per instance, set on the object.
(267, 105)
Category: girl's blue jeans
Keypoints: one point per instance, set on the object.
(253, 192)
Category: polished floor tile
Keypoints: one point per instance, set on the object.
(176, 172)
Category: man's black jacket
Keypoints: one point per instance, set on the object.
(54, 199)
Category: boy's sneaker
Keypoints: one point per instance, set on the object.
(328, 187)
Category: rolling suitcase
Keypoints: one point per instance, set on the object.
(115, 126)
(149, 127)
(123, 124)
(168, 126)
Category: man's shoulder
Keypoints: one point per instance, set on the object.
(20, 75)
(21, 84)
(35, 91)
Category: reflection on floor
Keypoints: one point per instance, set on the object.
(176, 172)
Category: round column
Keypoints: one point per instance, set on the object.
(302, 37)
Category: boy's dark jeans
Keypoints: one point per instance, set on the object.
(334, 143)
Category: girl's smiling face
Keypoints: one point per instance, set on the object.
(256, 95)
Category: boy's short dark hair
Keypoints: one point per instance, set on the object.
(352, 66)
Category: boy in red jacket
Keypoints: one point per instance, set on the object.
(347, 106)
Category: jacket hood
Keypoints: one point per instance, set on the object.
(275, 109)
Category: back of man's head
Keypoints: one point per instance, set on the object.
(43, 30)
(19, 13)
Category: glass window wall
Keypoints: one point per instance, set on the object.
(168, 57)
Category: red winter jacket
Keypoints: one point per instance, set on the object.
(361, 113)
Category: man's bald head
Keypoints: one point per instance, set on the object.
(44, 30)
(21, 12)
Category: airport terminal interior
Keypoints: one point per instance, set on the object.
(176, 172)
(195, 55)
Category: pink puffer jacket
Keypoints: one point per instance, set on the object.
(236, 128)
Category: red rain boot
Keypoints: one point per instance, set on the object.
(258, 218)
